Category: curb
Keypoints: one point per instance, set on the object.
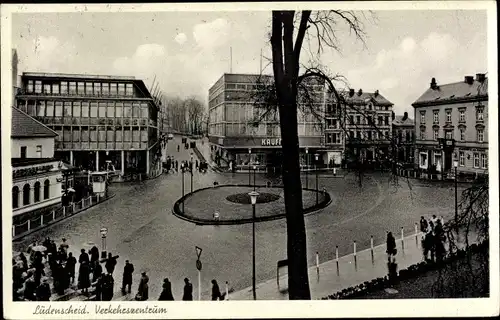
(177, 212)
(20, 236)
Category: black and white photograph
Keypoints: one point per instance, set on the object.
(236, 155)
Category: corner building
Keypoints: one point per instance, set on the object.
(451, 124)
(98, 119)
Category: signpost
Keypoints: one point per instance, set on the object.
(198, 266)
(104, 232)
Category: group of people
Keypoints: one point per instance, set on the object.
(187, 295)
(172, 165)
(433, 238)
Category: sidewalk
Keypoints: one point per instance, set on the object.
(352, 270)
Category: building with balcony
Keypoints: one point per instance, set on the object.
(242, 134)
(366, 119)
(101, 122)
(36, 174)
(403, 130)
(451, 124)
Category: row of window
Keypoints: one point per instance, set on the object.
(334, 137)
(448, 134)
(58, 121)
(26, 193)
(101, 134)
(261, 129)
(448, 114)
(24, 152)
(476, 163)
(369, 120)
(369, 135)
(100, 145)
(84, 109)
(80, 88)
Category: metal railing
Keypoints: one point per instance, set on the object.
(55, 215)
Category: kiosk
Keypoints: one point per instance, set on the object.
(99, 183)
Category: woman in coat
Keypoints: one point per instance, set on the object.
(143, 292)
(391, 245)
(188, 291)
(215, 291)
(166, 294)
(84, 277)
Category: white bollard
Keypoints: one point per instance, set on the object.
(371, 243)
(74, 207)
(334, 171)
(97, 198)
(402, 234)
(29, 224)
(227, 291)
(354, 247)
(337, 253)
(416, 229)
(13, 230)
(64, 211)
(53, 215)
(90, 198)
(41, 220)
(317, 261)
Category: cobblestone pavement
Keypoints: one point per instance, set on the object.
(143, 230)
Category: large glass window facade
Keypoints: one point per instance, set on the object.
(102, 109)
(111, 110)
(93, 109)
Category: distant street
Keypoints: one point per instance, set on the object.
(143, 229)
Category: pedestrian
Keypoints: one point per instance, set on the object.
(143, 291)
(188, 291)
(30, 288)
(439, 239)
(215, 291)
(423, 224)
(29, 250)
(39, 272)
(84, 257)
(107, 287)
(197, 164)
(127, 276)
(64, 245)
(391, 245)
(24, 261)
(43, 292)
(429, 245)
(84, 276)
(434, 220)
(94, 254)
(178, 148)
(70, 267)
(110, 263)
(166, 293)
(97, 271)
(98, 288)
(176, 166)
(62, 255)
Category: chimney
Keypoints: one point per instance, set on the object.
(351, 92)
(469, 79)
(360, 92)
(433, 84)
(405, 116)
(480, 77)
(376, 93)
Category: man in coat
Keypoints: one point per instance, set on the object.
(70, 267)
(94, 254)
(143, 292)
(188, 291)
(110, 263)
(127, 277)
(107, 287)
(84, 257)
(166, 294)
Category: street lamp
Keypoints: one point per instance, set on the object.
(307, 165)
(254, 169)
(182, 171)
(191, 168)
(249, 155)
(316, 156)
(455, 165)
(104, 232)
(253, 198)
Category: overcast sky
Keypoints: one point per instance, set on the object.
(189, 51)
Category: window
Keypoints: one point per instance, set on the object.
(72, 88)
(476, 160)
(102, 134)
(448, 115)
(46, 88)
(15, 197)
(67, 109)
(64, 87)
(480, 135)
(40, 108)
(145, 111)
(461, 115)
(422, 117)
(380, 120)
(119, 109)
(105, 88)
(30, 86)
(88, 88)
(462, 134)
(436, 116)
(461, 158)
(111, 110)
(36, 190)
(448, 134)
(479, 114)
(129, 89)
(76, 109)
(97, 88)
(113, 89)
(23, 152)
(85, 109)
(26, 194)
(81, 88)
(136, 110)
(484, 161)
(386, 120)
(358, 119)
(422, 133)
(369, 135)
(93, 109)
(38, 151)
(49, 112)
(55, 88)
(46, 189)
(127, 110)
(38, 86)
(369, 120)
(436, 134)
(121, 89)
(423, 160)
(93, 134)
(352, 119)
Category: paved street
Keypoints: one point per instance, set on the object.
(143, 229)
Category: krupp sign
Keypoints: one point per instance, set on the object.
(271, 142)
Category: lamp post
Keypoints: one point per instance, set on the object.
(455, 165)
(191, 169)
(182, 171)
(104, 232)
(253, 198)
(307, 164)
(249, 155)
(254, 169)
(316, 156)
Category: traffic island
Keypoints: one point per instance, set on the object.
(230, 204)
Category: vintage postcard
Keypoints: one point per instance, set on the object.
(218, 160)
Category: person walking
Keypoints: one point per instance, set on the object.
(127, 276)
(43, 292)
(84, 257)
(64, 245)
(188, 291)
(39, 272)
(30, 288)
(143, 291)
(84, 276)
(107, 287)
(70, 267)
(178, 148)
(94, 254)
(96, 271)
(391, 246)
(166, 293)
(215, 291)
(110, 263)
(423, 224)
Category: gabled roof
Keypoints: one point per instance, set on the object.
(25, 126)
(377, 99)
(454, 92)
(398, 121)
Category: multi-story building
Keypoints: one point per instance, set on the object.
(451, 123)
(366, 118)
(100, 120)
(242, 135)
(403, 130)
(36, 174)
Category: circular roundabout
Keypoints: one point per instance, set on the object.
(230, 204)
